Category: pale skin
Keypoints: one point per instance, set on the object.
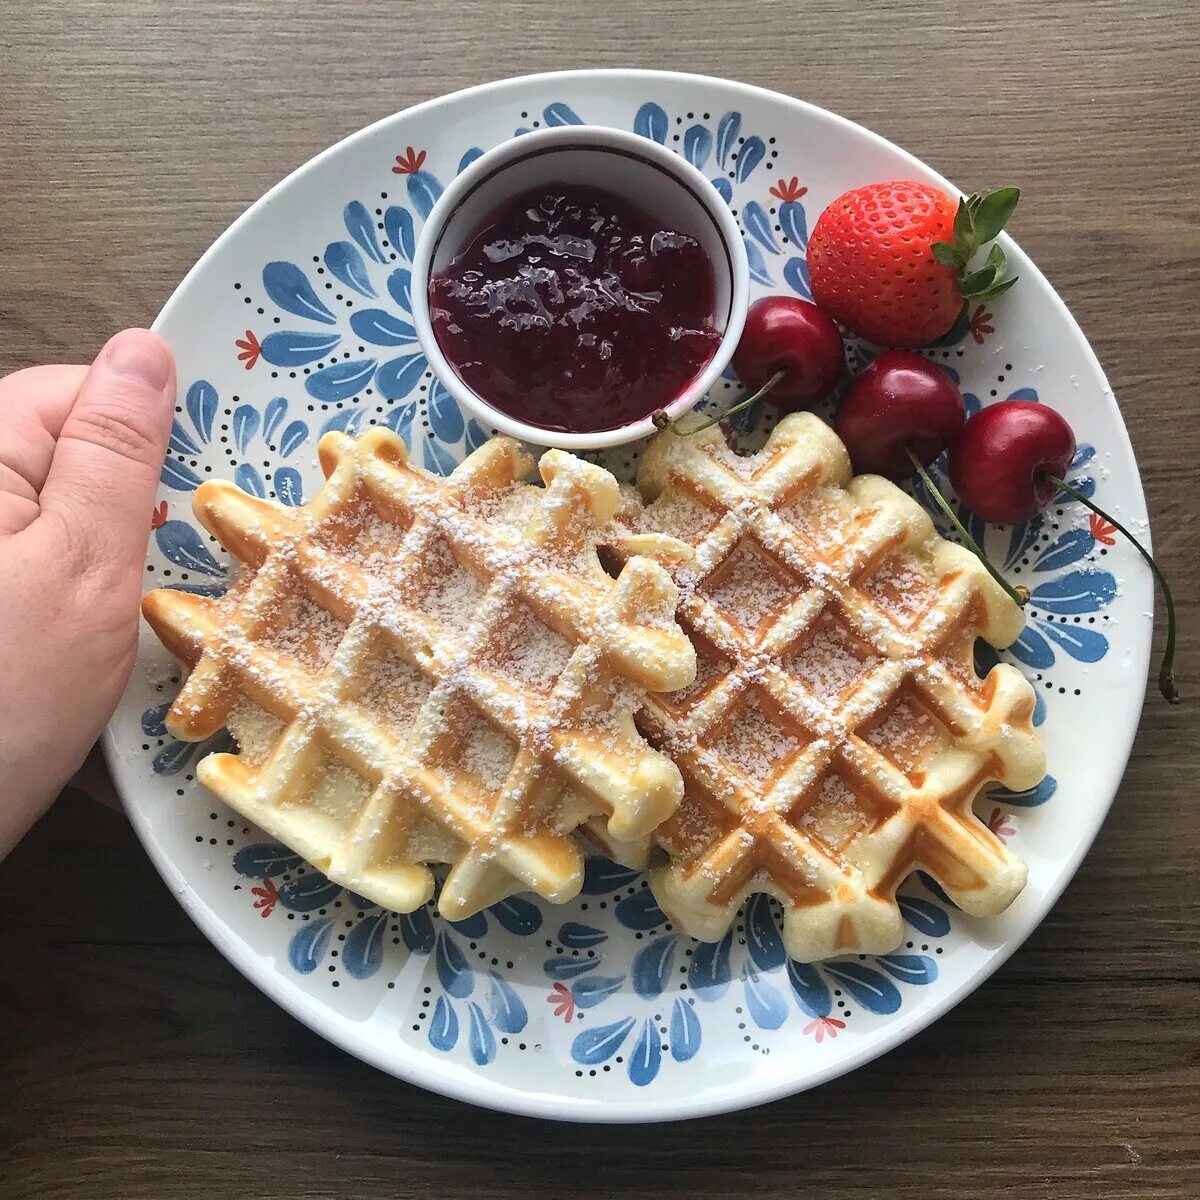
(80, 453)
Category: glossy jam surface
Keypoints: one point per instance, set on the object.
(573, 310)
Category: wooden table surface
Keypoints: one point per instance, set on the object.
(135, 1062)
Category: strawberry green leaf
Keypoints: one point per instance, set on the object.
(948, 255)
(995, 290)
(964, 230)
(993, 211)
(996, 258)
(977, 282)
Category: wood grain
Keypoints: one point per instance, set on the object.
(135, 1062)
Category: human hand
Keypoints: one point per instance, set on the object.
(80, 454)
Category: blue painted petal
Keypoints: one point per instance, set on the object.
(764, 1003)
(763, 942)
(468, 158)
(795, 275)
(651, 122)
(308, 892)
(871, 989)
(452, 969)
(760, 226)
(1069, 548)
(245, 426)
(400, 286)
(288, 286)
(276, 409)
(381, 328)
(438, 459)
(565, 967)
(725, 188)
(361, 227)
(559, 113)
(178, 476)
(518, 915)
(794, 223)
(685, 1031)
(181, 441)
(362, 951)
(508, 1011)
(598, 1045)
(183, 546)
(1081, 643)
(288, 486)
(398, 225)
(347, 266)
(416, 928)
(173, 757)
(1032, 649)
(640, 911)
(340, 381)
(293, 438)
(443, 1029)
(749, 156)
(482, 1041)
(399, 421)
(249, 480)
(214, 591)
(728, 128)
(572, 935)
(154, 720)
(1025, 393)
(916, 969)
(1085, 485)
(590, 991)
(810, 990)
(265, 860)
(1079, 592)
(474, 926)
(646, 1056)
(476, 436)
(652, 967)
(201, 407)
(289, 348)
(1039, 711)
(708, 972)
(397, 377)
(697, 145)
(1030, 798)
(423, 191)
(927, 918)
(445, 419)
(306, 950)
(602, 875)
(1022, 538)
(1084, 453)
(347, 420)
(758, 265)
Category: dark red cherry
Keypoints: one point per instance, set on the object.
(1005, 465)
(900, 403)
(784, 333)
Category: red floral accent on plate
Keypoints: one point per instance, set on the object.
(981, 324)
(409, 163)
(250, 348)
(788, 190)
(824, 1025)
(563, 1001)
(998, 824)
(1102, 530)
(267, 895)
(158, 518)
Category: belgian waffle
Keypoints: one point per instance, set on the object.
(424, 670)
(837, 732)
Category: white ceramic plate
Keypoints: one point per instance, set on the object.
(296, 321)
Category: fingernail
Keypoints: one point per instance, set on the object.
(141, 355)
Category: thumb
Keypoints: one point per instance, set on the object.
(110, 450)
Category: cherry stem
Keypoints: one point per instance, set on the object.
(660, 422)
(1166, 680)
(1019, 594)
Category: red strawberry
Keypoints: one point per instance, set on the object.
(890, 260)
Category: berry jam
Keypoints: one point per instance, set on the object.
(573, 310)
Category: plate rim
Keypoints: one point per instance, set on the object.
(469, 1086)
